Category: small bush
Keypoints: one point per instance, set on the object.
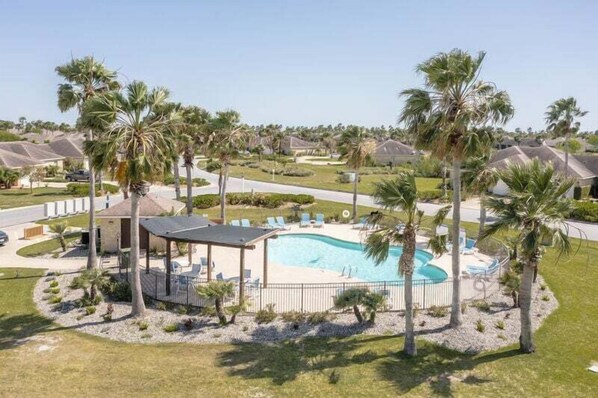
(481, 305)
(86, 300)
(500, 325)
(437, 311)
(266, 315)
(181, 310)
(55, 299)
(543, 287)
(55, 290)
(295, 318)
(143, 325)
(212, 166)
(584, 211)
(47, 290)
(209, 311)
(173, 327)
(161, 306)
(319, 317)
(545, 298)
(120, 291)
(431, 195)
(206, 201)
(54, 284)
(90, 309)
(479, 326)
(82, 189)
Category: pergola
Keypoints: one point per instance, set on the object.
(198, 230)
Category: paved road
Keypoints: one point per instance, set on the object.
(33, 213)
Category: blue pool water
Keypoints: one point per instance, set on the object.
(324, 252)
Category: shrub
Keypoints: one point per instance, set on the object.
(428, 166)
(295, 318)
(173, 327)
(161, 306)
(209, 311)
(87, 301)
(90, 309)
(81, 189)
(479, 326)
(143, 325)
(107, 317)
(55, 290)
(319, 317)
(545, 298)
(481, 305)
(119, 291)
(297, 172)
(436, 311)
(55, 299)
(188, 324)
(200, 182)
(432, 195)
(54, 284)
(206, 201)
(181, 310)
(500, 325)
(584, 211)
(266, 315)
(47, 290)
(543, 287)
(212, 166)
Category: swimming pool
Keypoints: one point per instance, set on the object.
(324, 252)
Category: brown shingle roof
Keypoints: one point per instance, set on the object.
(30, 150)
(149, 206)
(392, 147)
(16, 161)
(67, 147)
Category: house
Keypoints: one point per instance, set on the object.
(523, 155)
(16, 161)
(292, 145)
(256, 140)
(394, 152)
(39, 154)
(115, 222)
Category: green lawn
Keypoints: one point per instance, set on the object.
(18, 197)
(45, 247)
(326, 178)
(80, 220)
(366, 366)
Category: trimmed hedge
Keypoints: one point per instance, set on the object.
(584, 211)
(432, 195)
(197, 182)
(267, 200)
(289, 171)
(79, 189)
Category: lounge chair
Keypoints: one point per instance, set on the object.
(219, 276)
(319, 220)
(235, 223)
(481, 269)
(245, 223)
(305, 222)
(469, 246)
(281, 223)
(361, 224)
(204, 263)
(272, 223)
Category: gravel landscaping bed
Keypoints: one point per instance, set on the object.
(500, 322)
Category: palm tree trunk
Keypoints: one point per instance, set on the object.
(444, 179)
(406, 265)
(125, 192)
(189, 190)
(357, 314)
(177, 182)
(482, 215)
(220, 181)
(567, 154)
(355, 195)
(456, 316)
(526, 343)
(137, 305)
(92, 257)
(220, 311)
(223, 194)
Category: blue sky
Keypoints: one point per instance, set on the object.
(300, 62)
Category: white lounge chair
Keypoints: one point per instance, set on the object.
(482, 269)
(281, 223)
(305, 222)
(319, 220)
(361, 224)
(235, 223)
(245, 223)
(272, 223)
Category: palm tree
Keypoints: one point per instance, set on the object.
(391, 228)
(536, 209)
(227, 138)
(95, 279)
(443, 117)
(85, 78)
(195, 121)
(60, 229)
(561, 118)
(478, 178)
(219, 292)
(356, 148)
(140, 135)
(8, 177)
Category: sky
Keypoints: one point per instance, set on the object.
(300, 62)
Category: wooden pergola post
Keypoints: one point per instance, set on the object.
(209, 262)
(242, 277)
(190, 253)
(147, 254)
(265, 263)
(168, 267)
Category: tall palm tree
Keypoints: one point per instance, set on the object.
(399, 195)
(443, 117)
(536, 209)
(227, 138)
(139, 134)
(478, 178)
(356, 148)
(561, 118)
(85, 78)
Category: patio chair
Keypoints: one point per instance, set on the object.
(235, 223)
(196, 269)
(281, 223)
(246, 274)
(204, 264)
(305, 222)
(482, 269)
(245, 223)
(361, 224)
(469, 246)
(220, 277)
(271, 223)
(319, 220)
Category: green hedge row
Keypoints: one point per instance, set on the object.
(79, 189)
(267, 200)
(585, 211)
(197, 182)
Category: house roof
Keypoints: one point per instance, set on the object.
(149, 206)
(293, 142)
(199, 230)
(31, 150)
(589, 161)
(14, 160)
(67, 147)
(522, 155)
(392, 147)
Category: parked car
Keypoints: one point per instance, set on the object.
(3, 238)
(78, 175)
